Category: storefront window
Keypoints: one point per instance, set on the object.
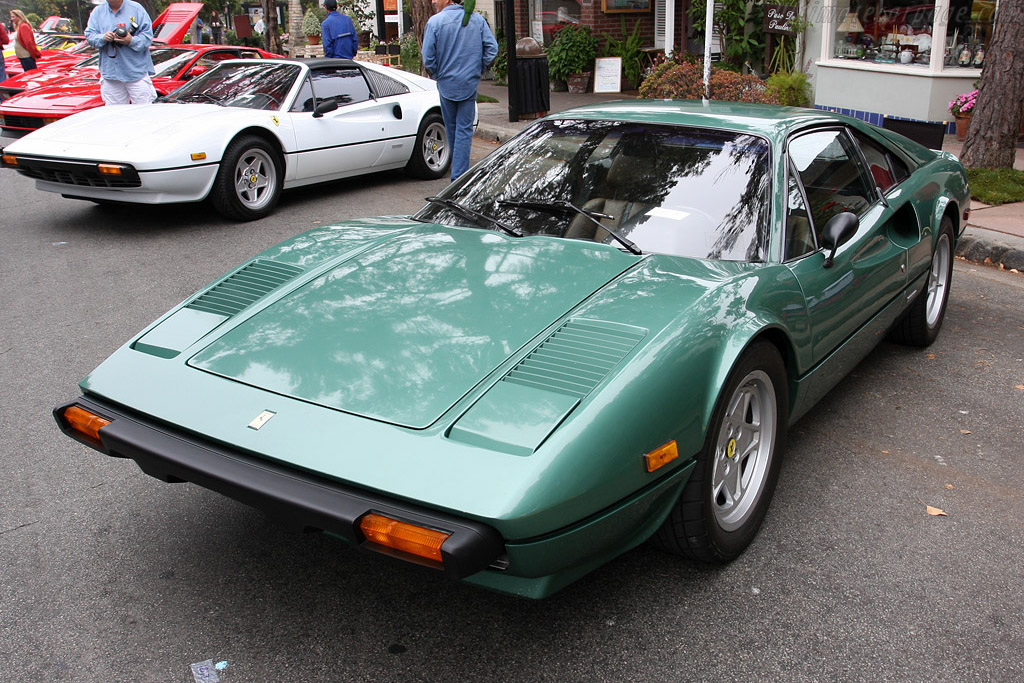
(550, 15)
(903, 32)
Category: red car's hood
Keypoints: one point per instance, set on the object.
(77, 94)
(61, 100)
(52, 75)
(174, 22)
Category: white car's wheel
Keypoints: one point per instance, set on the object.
(432, 156)
(248, 182)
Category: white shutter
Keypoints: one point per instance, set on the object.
(659, 23)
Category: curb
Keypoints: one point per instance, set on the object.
(1007, 254)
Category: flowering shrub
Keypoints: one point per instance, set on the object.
(963, 104)
(685, 81)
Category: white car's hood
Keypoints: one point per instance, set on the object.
(147, 135)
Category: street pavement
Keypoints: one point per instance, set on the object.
(994, 234)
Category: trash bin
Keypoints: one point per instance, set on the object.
(532, 98)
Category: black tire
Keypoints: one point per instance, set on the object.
(432, 156)
(248, 182)
(706, 524)
(920, 324)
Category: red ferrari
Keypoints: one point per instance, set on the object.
(78, 91)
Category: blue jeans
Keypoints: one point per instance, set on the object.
(27, 63)
(458, 123)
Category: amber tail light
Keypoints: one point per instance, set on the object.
(404, 537)
(85, 425)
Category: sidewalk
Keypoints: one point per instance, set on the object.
(994, 234)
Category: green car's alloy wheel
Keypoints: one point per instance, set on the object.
(249, 180)
(920, 325)
(432, 156)
(727, 496)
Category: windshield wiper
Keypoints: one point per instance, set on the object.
(474, 214)
(565, 205)
(200, 94)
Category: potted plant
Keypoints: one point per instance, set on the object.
(962, 109)
(311, 27)
(571, 56)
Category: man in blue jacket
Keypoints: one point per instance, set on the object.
(338, 33)
(457, 49)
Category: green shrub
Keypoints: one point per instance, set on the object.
(410, 53)
(310, 23)
(629, 50)
(571, 52)
(791, 89)
(685, 81)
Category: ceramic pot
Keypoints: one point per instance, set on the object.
(578, 82)
(962, 122)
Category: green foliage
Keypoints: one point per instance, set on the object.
(500, 66)
(740, 43)
(629, 50)
(310, 23)
(572, 51)
(996, 186)
(791, 89)
(363, 18)
(685, 81)
(34, 19)
(410, 53)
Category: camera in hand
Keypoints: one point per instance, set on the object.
(120, 31)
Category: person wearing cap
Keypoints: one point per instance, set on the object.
(458, 46)
(338, 33)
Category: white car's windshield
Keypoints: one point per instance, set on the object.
(247, 85)
(659, 188)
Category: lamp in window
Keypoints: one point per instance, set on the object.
(851, 27)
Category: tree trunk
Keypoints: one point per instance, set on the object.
(421, 10)
(271, 36)
(146, 4)
(992, 138)
(295, 37)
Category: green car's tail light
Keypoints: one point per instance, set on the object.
(661, 456)
(403, 537)
(86, 425)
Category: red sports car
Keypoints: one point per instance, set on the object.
(78, 91)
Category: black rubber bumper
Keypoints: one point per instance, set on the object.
(294, 497)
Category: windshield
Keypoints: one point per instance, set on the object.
(235, 84)
(166, 62)
(668, 189)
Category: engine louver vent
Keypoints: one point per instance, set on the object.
(244, 287)
(576, 357)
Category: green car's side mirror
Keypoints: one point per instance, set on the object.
(839, 229)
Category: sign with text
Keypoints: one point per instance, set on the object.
(779, 19)
(608, 74)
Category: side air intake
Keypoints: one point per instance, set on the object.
(244, 287)
(576, 357)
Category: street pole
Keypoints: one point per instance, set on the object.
(510, 52)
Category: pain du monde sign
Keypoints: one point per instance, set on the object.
(779, 19)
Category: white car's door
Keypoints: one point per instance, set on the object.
(343, 142)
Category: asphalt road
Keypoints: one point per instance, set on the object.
(108, 575)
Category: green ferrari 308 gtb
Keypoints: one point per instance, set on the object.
(597, 336)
